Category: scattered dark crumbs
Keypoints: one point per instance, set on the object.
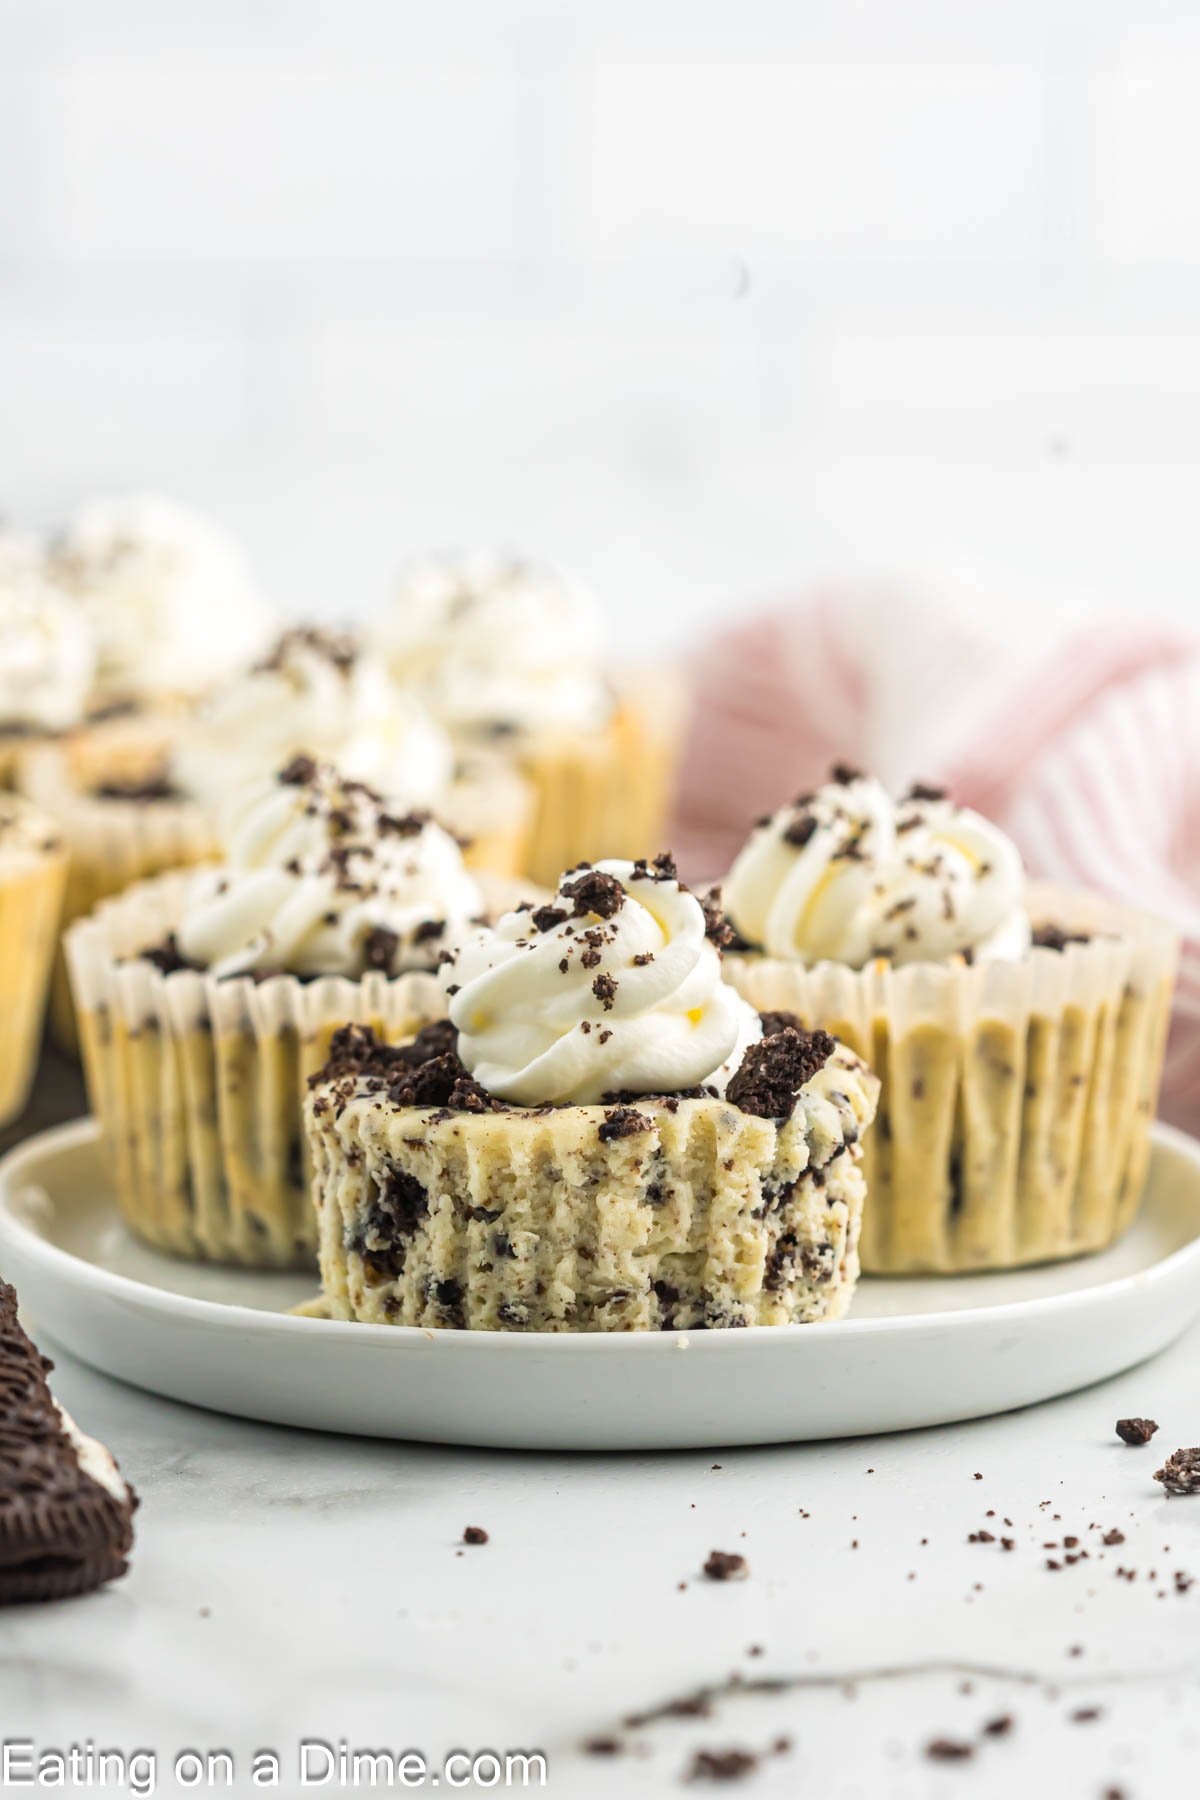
(604, 1746)
(842, 774)
(547, 917)
(1136, 1431)
(726, 1565)
(999, 1727)
(1180, 1474)
(924, 790)
(1086, 1715)
(948, 1750)
(475, 1534)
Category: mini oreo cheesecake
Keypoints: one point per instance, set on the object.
(506, 654)
(602, 1136)
(206, 998)
(321, 693)
(1018, 1032)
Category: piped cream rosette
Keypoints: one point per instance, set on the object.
(198, 1074)
(1019, 1077)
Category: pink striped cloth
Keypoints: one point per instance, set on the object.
(1088, 755)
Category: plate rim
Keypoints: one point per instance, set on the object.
(80, 1274)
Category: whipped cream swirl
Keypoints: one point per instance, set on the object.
(848, 874)
(613, 987)
(47, 656)
(322, 877)
(495, 645)
(170, 597)
(320, 693)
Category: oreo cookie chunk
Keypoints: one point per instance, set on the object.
(66, 1514)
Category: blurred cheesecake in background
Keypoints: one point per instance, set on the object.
(507, 656)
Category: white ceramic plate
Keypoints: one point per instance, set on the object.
(915, 1352)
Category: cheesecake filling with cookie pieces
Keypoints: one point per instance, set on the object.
(701, 1170)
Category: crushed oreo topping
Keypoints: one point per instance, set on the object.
(924, 790)
(140, 789)
(623, 1122)
(800, 830)
(426, 1072)
(475, 1534)
(379, 949)
(593, 891)
(605, 989)
(547, 917)
(773, 1071)
(299, 772)
(717, 928)
(336, 647)
(167, 957)
(842, 774)
(1053, 937)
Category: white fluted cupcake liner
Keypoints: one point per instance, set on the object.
(110, 844)
(31, 890)
(1017, 1099)
(198, 1083)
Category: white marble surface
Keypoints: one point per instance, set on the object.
(287, 1586)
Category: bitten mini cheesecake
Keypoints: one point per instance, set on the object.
(601, 1137)
(207, 997)
(1018, 1032)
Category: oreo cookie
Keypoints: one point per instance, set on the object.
(66, 1514)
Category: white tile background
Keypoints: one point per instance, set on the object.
(708, 300)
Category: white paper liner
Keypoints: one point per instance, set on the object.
(111, 845)
(31, 890)
(607, 792)
(199, 1082)
(1017, 1096)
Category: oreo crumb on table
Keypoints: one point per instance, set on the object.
(1136, 1431)
(604, 1746)
(475, 1534)
(721, 1765)
(726, 1565)
(1180, 1474)
(948, 1750)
